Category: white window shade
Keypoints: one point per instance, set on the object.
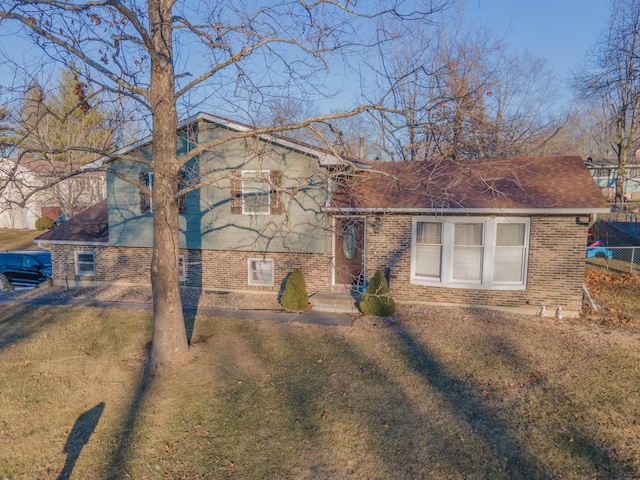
(510, 249)
(429, 233)
(468, 234)
(428, 261)
(510, 234)
(467, 252)
(428, 254)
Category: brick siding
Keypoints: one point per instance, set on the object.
(555, 267)
(209, 269)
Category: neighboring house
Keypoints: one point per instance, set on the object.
(605, 173)
(506, 233)
(18, 180)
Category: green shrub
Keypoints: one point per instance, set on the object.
(295, 295)
(377, 300)
(44, 223)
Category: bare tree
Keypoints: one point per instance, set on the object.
(460, 94)
(49, 125)
(611, 79)
(71, 114)
(162, 53)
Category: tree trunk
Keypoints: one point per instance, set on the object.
(169, 333)
(622, 160)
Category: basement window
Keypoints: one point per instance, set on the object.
(261, 272)
(85, 264)
(182, 277)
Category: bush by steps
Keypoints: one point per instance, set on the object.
(377, 300)
(295, 295)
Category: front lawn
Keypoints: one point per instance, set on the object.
(438, 393)
(17, 239)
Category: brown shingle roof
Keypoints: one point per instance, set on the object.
(513, 183)
(89, 226)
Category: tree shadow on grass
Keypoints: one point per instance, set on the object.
(461, 397)
(354, 404)
(568, 435)
(390, 434)
(117, 466)
(21, 324)
(189, 323)
(79, 437)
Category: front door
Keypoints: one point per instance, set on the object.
(349, 251)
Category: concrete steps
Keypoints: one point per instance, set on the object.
(334, 302)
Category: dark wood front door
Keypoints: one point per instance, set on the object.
(349, 251)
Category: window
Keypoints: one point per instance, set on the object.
(30, 262)
(181, 269)
(509, 258)
(146, 179)
(601, 172)
(182, 199)
(146, 203)
(256, 192)
(470, 252)
(85, 264)
(428, 249)
(467, 252)
(261, 272)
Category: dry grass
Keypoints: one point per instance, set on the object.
(437, 393)
(618, 295)
(17, 239)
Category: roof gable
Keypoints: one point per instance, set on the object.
(324, 156)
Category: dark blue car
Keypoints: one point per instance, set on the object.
(24, 268)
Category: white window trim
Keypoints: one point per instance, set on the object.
(488, 256)
(264, 174)
(77, 263)
(182, 269)
(251, 282)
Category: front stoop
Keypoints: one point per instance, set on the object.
(334, 302)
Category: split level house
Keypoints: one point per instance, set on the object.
(25, 199)
(605, 174)
(503, 233)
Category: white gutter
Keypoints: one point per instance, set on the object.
(67, 242)
(472, 211)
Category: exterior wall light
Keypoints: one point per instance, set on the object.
(377, 225)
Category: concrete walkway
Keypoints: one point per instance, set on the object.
(313, 318)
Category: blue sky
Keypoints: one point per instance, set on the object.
(560, 31)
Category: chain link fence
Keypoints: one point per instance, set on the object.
(618, 259)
